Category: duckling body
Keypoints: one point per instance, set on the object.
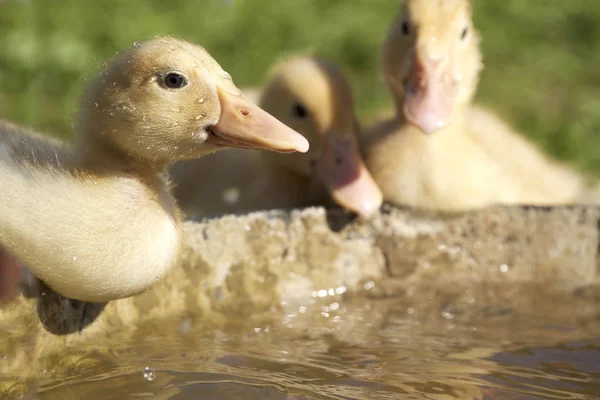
(313, 97)
(96, 221)
(77, 236)
(546, 180)
(439, 152)
(252, 186)
(431, 173)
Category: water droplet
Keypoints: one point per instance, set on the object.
(226, 75)
(231, 195)
(369, 285)
(257, 330)
(96, 105)
(186, 325)
(149, 374)
(200, 116)
(202, 99)
(340, 290)
(74, 258)
(504, 268)
(447, 315)
(137, 44)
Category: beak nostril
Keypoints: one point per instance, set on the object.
(338, 161)
(245, 113)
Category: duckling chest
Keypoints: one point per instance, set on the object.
(416, 171)
(154, 226)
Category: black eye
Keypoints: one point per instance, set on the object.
(174, 80)
(299, 110)
(405, 28)
(464, 33)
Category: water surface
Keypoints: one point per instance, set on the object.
(500, 343)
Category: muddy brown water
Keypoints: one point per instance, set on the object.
(501, 342)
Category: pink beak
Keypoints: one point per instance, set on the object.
(429, 97)
(345, 175)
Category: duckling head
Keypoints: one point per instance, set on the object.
(167, 100)
(313, 97)
(431, 61)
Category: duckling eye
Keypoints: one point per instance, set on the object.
(299, 110)
(405, 28)
(174, 80)
(464, 33)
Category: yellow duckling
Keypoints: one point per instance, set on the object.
(313, 97)
(97, 222)
(439, 152)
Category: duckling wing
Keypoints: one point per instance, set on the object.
(27, 146)
(90, 236)
(544, 179)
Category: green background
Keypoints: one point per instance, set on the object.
(542, 57)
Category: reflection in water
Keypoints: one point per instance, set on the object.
(523, 345)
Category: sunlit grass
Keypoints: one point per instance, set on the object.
(541, 56)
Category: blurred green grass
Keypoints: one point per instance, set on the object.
(542, 57)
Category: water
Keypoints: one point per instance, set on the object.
(149, 374)
(481, 344)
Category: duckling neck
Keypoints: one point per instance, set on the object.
(282, 165)
(94, 152)
(278, 169)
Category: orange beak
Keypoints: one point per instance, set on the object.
(429, 99)
(345, 175)
(245, 125)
